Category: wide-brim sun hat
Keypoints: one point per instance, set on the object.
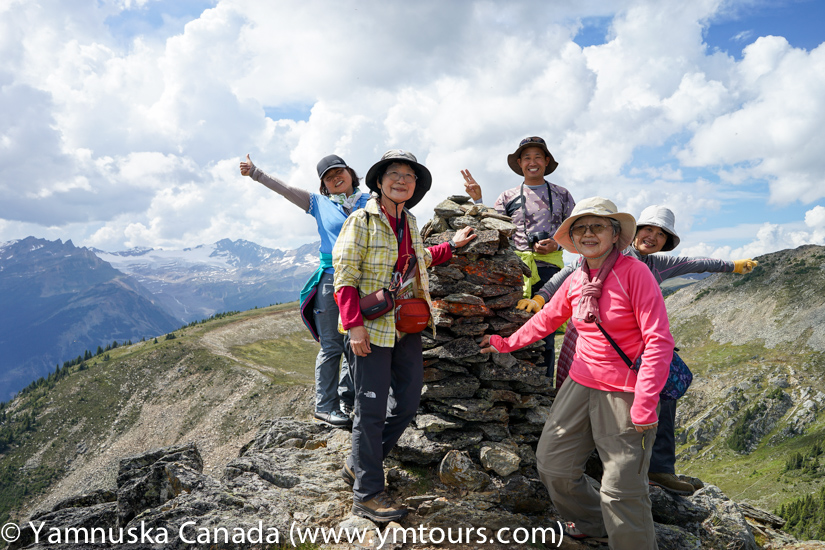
(534, 141)
(422, 184)
(663, 218)
(328, 163)
(596, 206)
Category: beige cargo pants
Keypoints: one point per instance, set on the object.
(582, 419)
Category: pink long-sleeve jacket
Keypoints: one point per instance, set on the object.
(633, 312)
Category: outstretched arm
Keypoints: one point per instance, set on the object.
(298, 197)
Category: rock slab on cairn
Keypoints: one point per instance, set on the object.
(477, 402)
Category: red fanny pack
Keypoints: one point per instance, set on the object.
(411, 315)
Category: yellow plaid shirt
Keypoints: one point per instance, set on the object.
(364, 257)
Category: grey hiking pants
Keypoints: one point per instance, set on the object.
(329, 385)
(381, 418)
(582, 419)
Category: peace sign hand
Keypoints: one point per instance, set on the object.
(470, 186)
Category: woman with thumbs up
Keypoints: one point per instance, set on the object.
(338, 197)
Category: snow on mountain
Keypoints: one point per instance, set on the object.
(224, 257)
(195, 283)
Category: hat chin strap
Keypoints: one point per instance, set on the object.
(397, 204)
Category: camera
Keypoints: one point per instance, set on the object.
(533, 238)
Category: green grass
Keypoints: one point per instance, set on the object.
(293, 353)
(757, 476)
(48, 423)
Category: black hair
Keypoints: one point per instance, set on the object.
(668, 242)
(353, 175)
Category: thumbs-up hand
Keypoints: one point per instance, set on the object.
(246, 167)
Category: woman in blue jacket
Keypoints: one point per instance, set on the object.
(337, 198)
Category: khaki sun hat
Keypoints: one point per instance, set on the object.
(663, 218)
(534, 141)
(596, 206)
(422, 184)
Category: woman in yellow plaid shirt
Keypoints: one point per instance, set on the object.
(376, 245)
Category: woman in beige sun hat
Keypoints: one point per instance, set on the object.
(605, 405)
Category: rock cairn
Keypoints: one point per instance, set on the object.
(493, 406)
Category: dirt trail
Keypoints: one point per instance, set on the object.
(246, 331)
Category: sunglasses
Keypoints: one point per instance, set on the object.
(534, 139)
(595, 228)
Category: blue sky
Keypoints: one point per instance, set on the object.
(132, 115)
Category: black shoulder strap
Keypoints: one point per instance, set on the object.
(627, 361)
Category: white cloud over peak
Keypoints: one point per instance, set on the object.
(769, 238)
(134, 140)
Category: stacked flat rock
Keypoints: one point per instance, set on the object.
(491, 405)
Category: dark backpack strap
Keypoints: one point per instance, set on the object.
(627, 361)
(513, 204)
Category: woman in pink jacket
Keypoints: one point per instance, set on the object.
(605, 405)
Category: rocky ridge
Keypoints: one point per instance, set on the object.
(756, 344)
(285, 486)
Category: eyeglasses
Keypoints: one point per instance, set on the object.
(332, 174)
(397, 176)
(534, 139)
(595, 228)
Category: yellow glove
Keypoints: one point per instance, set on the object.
(531, 306)
(744, 266)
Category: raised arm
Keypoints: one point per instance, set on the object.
(298, 197)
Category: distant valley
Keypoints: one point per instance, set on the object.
(58, 300)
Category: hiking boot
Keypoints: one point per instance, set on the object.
(380, 509)
(348, 475)
(334, 418)
(669, 482)
(346, 408)
(569, 529)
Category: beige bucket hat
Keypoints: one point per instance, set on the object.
(596, 206)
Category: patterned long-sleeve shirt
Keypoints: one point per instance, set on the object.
(544, 213)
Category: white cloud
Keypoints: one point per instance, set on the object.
(776, 133)
(769, 238)
(815, 218)
(127, 141)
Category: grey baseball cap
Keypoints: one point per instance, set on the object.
(328, 163)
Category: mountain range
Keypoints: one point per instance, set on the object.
(756, 345)
(195, 283)
(60, 301)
